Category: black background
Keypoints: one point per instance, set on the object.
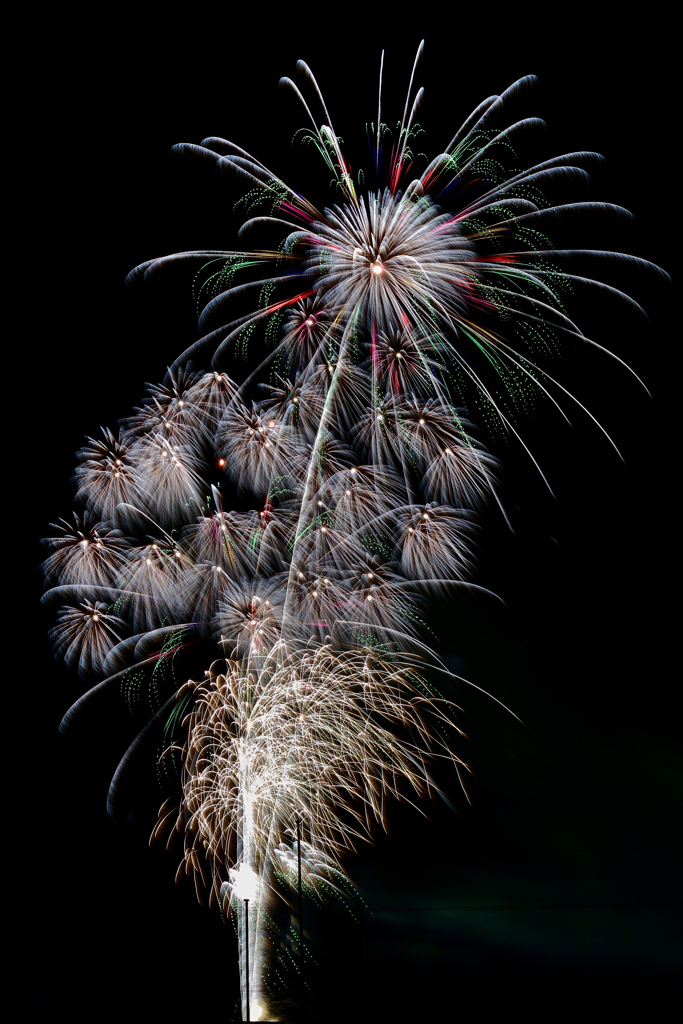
(558, 887)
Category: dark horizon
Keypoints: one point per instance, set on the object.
(572, 826)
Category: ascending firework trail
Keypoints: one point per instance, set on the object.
(256, 557)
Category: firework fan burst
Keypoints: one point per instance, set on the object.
(259, 555)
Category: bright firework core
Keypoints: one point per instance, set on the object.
(432, 262)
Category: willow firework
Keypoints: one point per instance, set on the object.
(260, 555)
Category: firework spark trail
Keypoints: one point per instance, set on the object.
(358, 477)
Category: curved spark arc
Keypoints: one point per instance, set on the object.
(297, 671)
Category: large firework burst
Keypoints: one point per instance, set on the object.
(294, 621)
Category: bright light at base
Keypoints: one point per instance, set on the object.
(244, 881)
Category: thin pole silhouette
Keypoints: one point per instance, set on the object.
(301, 917)
(246, 934)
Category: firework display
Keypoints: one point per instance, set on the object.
(278, 539)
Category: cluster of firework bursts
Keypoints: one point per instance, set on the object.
(356, 477)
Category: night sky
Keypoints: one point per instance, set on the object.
(558, 886)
